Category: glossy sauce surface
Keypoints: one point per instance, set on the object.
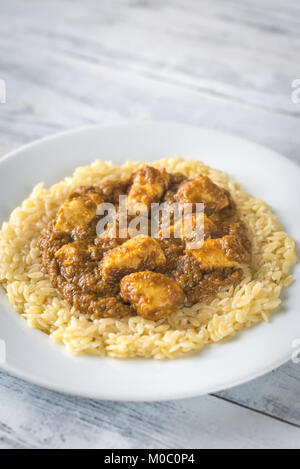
(106, 275)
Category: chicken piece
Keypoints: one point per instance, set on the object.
(148, 186)
(93, 192)
(139, 253)
(202, 189)
(153, 295)
(72, 253)
(192, 227)
(76, 211)
(220, 253)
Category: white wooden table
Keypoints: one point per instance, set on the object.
(222, 64)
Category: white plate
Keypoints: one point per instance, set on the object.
(33, 356)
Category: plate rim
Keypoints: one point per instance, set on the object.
(158, 123)
(127, 397)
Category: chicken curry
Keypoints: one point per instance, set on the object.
(112, 276)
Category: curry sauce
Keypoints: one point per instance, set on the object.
(109, 275)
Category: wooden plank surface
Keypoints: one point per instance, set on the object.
(225, 65)
(31, 417)
(275, 394)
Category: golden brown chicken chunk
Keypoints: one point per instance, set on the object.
(153, 295)
(139, 253)
(162, 273)
(71, 253)
(78, 211)
(202, 189)
(192, 227)
(220, 253)
(148, 187)
(93, 192)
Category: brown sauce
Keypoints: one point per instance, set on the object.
(113, 276)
